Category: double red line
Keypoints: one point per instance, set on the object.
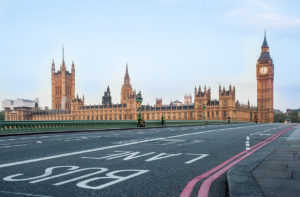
(217, 171)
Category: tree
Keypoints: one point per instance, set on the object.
(279, 117)
(293, 115)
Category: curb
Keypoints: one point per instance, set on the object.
(240, 180)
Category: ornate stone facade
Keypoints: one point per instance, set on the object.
(106, 99)
(203, 106)
(265, 78)
(63, 86)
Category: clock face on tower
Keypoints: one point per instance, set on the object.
(263, 70)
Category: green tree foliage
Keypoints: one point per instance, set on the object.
(279, 117)
(293, 115)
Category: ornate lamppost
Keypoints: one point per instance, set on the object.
(139, 100)
(203, 107)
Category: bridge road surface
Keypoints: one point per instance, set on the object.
(141, 162)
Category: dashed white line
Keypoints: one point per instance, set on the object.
(247, 143)
(13, 145)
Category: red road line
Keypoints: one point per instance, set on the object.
(191, 184)
(204, 189)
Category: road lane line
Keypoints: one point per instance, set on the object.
(204, 189)
(190, 186)
(109, 147)
(23, 194)
(13, 145)
(247, 143)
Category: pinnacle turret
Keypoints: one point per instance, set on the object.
(53, 66)
(126, 77)
(265, 43)
(265, 55)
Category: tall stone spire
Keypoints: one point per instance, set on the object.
(63, 65)
(126, 92)
(53, 66)
(265, 43)
(265, 55)
(63, 53)
(126, 77)
(73, 66)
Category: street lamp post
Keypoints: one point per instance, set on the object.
(234, 114)
(203, 107)
(139, 100)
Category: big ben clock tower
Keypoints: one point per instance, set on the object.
(265, 77)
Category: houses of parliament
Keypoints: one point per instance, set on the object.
(66, 105)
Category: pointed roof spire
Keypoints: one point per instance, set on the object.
(53, 66)
(63, 67)
(265, 43)
(126, 77)
(63, 53)
(73, 66)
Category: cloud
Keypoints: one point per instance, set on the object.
(262, 14)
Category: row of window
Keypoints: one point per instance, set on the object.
(67, 106)
(58, 90)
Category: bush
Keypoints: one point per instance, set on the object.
(279, 117)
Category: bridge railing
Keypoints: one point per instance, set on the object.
(40, 126)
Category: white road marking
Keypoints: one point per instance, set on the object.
(82, 184)
(109, 147)
(7, 140)
(127, 154)
(259, 133)
(39, 142)
(247, 143)
(13, 145)
(23, 194)
(110, 175)
(197, 158)
(162, 156)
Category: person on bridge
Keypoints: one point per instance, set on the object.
(162, 120)
(228, 120)
(139, 121)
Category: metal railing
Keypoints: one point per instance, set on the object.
(8, 127)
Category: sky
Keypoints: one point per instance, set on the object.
(170, 46)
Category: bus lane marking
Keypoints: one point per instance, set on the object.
(129, 155)
(111, 177)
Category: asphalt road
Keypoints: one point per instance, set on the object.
(141, 162)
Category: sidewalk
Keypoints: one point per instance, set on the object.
(279, 174)
(272, 172)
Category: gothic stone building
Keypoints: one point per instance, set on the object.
(65, 106)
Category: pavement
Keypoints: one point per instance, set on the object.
(177, 161)
(272, 172)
